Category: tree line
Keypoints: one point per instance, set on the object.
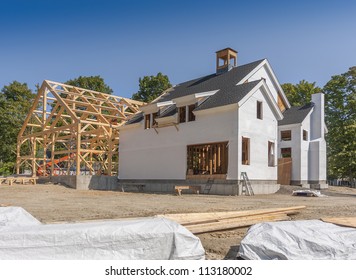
(340, 114)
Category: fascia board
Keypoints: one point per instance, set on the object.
(249, 75)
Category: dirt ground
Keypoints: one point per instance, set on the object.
(55, 203)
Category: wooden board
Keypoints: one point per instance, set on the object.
(190, 218)
(341, 221)
(235, 223)
(284, 171)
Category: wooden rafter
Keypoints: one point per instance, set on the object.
(69, 129)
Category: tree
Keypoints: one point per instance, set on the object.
(300, 93)
(15, 102)
(151, 87)
(95, 83)
(340, 114)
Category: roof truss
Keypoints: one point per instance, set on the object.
(70, 129)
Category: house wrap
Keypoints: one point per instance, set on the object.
(209, 130)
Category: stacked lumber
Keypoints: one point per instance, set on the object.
(216, 221)
(341, 221)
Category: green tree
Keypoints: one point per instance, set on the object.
(15, 102)
(300, 93)
(151, 87)
(95, 83)
(340, 116)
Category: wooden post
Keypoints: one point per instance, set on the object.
(110, 152)
(18, 159)
(34, 147)
(77, 154)
(52, 153)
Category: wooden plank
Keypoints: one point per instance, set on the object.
(341, 221)
(186, 218)
(228, 225)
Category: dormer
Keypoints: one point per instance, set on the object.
(225, 60)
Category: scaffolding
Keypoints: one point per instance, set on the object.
(72, 131)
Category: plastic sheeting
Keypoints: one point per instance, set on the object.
(141, 239)
(16, 216)
(299, 240)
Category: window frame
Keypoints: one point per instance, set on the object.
(271, 154)
(286, 138)
(259, 110)
(285, 153)
(182, 114)
(208, 158)
(245, 151)
(147, 121)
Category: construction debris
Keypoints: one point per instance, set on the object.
(22, 237)
(314, 193)
(298, 240)
(208, 222)
(342, 221)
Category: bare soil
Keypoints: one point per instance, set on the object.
(55, 203)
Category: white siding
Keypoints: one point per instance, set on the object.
(262, 73)
(144, 154)
(259, 132)
(295, 144)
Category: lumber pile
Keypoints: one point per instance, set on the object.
(341, 221)
(216, 221)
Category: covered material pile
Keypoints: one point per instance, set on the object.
(299, 240)
(24, 237)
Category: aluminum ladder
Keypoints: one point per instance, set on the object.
(246, 185)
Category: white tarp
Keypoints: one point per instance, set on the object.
(141, 239)
(16, 216)
(299, 240)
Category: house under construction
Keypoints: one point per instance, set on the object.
(71, 135)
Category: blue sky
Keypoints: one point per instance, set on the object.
(124, 40)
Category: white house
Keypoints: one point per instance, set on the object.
(208, 130)
(301, 137)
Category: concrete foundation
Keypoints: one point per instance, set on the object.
(316, 185)
(218, 187)
(88, 182)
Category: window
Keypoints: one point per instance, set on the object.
(147, 121)
(305, 135)
(207, 159)
(270, 153)
(191, 116)
(286, 135)
(259, 110)
(154, 116)
(245, 151)
(286, 152)
(182, 113)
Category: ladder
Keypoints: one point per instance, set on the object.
(246, 185)
(208, 186)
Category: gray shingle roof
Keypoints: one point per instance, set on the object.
(210, 82)
(135, 119)
(296, 114)
(227, 95)
(170, 111)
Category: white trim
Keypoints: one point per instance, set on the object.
(206, 93)
(269, 98)
(166, 103)
(274, 79)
